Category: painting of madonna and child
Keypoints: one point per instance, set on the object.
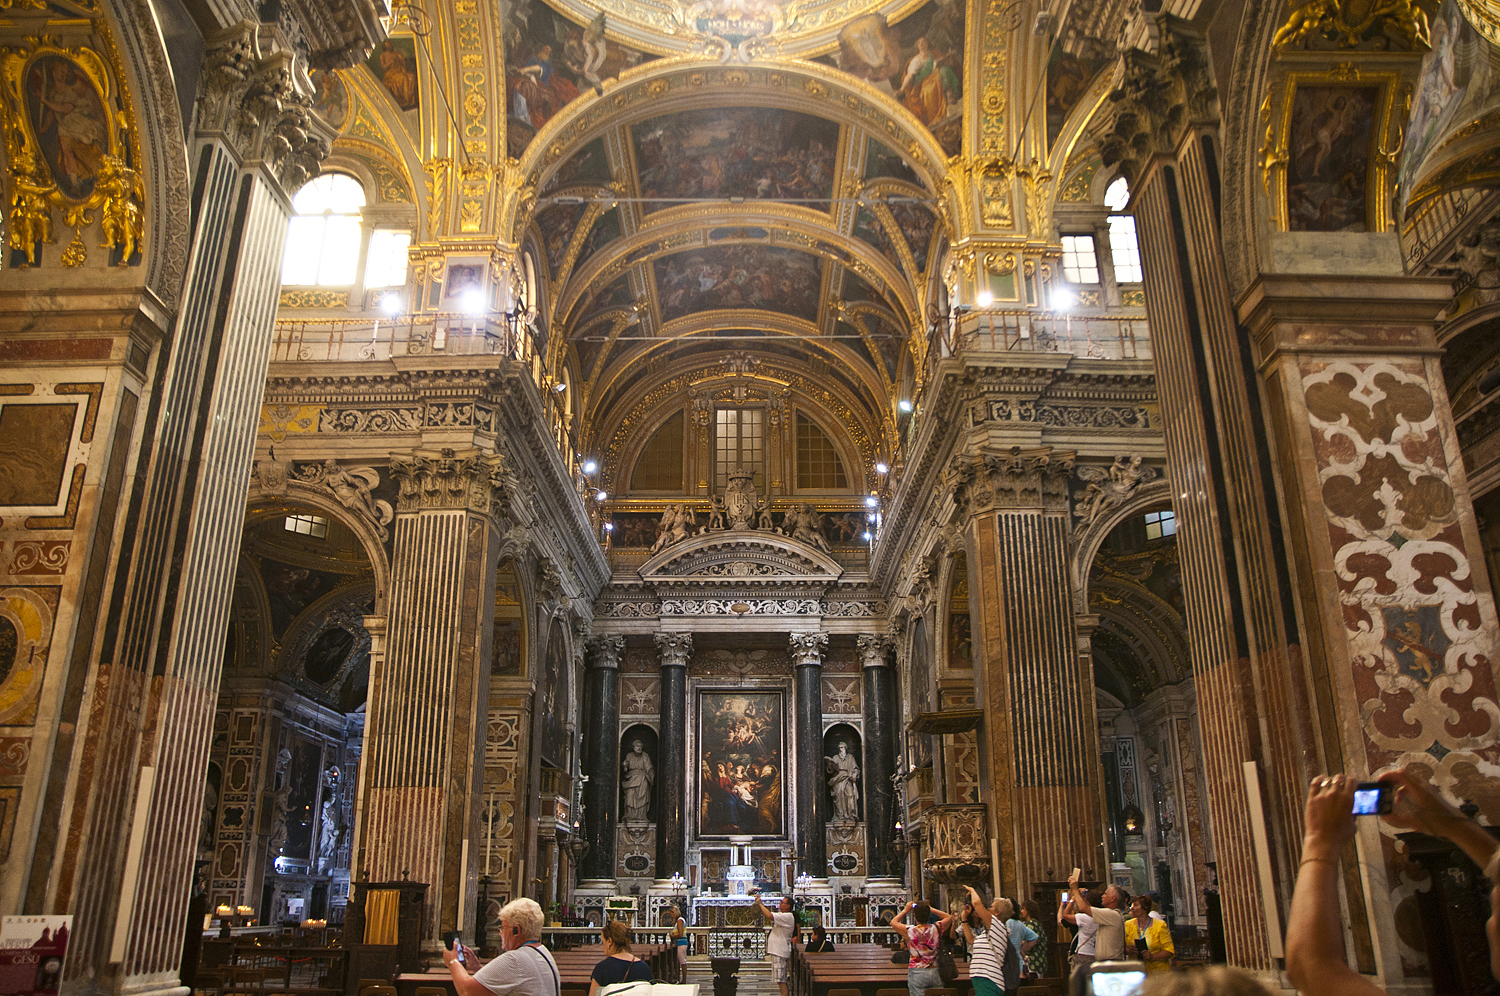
(741, 746)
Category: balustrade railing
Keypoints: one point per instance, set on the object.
(1100, 337)
(352, 340)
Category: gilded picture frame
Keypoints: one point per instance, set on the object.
(1328, 106)
(71, 146)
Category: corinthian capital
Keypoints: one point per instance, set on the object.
(606, 651)
(258, 97)
(1019, 478)
(875, 650)
(807, 649)
(1159, 96)
(674, 648)
(445, 480)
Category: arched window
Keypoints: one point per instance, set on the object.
(323, 240)
(1124, 250)
(326, 239)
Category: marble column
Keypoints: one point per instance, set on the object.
(1395, 595)
(671, 773)
(880, 757)
(423, 770)
(112, 836)
(601, 758)
(812, 781)
(1249, 665)
(1046, 803)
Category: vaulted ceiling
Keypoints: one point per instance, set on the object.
(700, 227)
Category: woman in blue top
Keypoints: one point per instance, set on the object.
(618, 965)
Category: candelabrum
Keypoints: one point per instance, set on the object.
(228, 915)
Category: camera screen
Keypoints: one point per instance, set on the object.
(1117, 983)
(1366, 802)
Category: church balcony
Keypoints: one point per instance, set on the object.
(1092, 336)
(324, 340)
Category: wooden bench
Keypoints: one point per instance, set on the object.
(865, 967)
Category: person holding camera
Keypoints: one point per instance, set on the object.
(1101, 927)
(524, 968)
(1315, 959)
(783, 931)
(922, 941)
(988, 941)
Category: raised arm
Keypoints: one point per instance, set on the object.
(984, 911)
(1315, 959)
(1079, 899)
(896, 921)
(1418, 807)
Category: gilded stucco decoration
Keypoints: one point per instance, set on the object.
(1352, 23)
(72, 147)
(1484, 15)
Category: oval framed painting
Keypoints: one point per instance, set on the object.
(66, 111)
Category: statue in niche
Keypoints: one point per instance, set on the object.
(328, 841)
(640, 775)
(279, 809)
(843, 782)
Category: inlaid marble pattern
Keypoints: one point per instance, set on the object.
(1419, 649)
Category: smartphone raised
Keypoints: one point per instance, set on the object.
(1113, 978)
(452, 941)
(1373, 798)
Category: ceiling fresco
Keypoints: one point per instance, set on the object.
(750, 152)
(737, 277)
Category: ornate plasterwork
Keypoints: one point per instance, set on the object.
(257, 95)
(479, 483)
(1022, 477)
(117, 195)
(1159, 96)
(741, 557)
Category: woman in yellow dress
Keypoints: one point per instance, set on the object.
(1148, 938)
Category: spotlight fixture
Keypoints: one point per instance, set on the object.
(881, 468)
(590, 466)
(391, 304)
(871, 501)
(560, 386)
(601, 495)
(1063, 300)
(984, 299)
(904, 405)
(473, 302)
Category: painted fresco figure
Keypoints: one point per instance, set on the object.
(72, 129)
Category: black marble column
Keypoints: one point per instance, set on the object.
(671, 772)
(812, 780)
(880, 756)
(601, 757)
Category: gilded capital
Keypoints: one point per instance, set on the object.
(1159, 97)
(675, 648)
(807, 649)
